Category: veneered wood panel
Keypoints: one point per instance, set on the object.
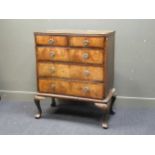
(53, 70)
(73, 88)
(78, 72)
(92, 56)
(87, 73)
(51, 40)
(53, 53)
(80, 55)
(87, 41)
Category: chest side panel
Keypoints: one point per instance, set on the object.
(109, 64)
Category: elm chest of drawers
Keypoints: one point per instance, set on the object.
(77, 65)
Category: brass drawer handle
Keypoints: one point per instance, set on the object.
(86, 90)
(51, 41)
(85, 55)
(52, 54)
(85, 43)
(86, 72)
(52, 69)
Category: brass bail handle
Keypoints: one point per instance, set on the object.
(85, 43)
(85, 55)
(52, 54)
(86, 72)
(52, 69)
(86, 90)
(51, 41)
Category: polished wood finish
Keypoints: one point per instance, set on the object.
(87, 41)
(71, 55)
(51, 40)
(69, 71)
(76, 65)
(53, 54)
(81, 89)
(95, 56)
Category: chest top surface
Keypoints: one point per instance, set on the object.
(78, 32)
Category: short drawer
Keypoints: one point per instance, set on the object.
(51, 40)
(81, 89)
(92, 56)
(81, 41)
(76, 72)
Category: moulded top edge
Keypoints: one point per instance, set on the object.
(91, 32)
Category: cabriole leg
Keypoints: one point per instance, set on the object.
(53, 103)
(37, 103)
(105, 109)
(112, 104)
(105, 119)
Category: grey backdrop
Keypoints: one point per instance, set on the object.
(134, 53)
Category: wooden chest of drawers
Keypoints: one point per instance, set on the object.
(76, 65)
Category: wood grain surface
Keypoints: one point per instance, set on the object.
(92, 41)
(94, 56)
(71, 88)
(77, 72)
(57, 40)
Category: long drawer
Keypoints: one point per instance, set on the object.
(92, 56)
(64, 87)
(78, 72)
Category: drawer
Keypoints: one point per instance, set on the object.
(51, 40)
(77, 72)
(73, 88)
(92, 56)
(52, 53)
(87, 41)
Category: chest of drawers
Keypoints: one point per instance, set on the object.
(76, 65)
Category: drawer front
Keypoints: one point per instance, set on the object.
(71, 71)
(92, 56)
(87, 42)
(53, 53)
(63, 87)
(51, 40)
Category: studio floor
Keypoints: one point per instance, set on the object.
(70, 118)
